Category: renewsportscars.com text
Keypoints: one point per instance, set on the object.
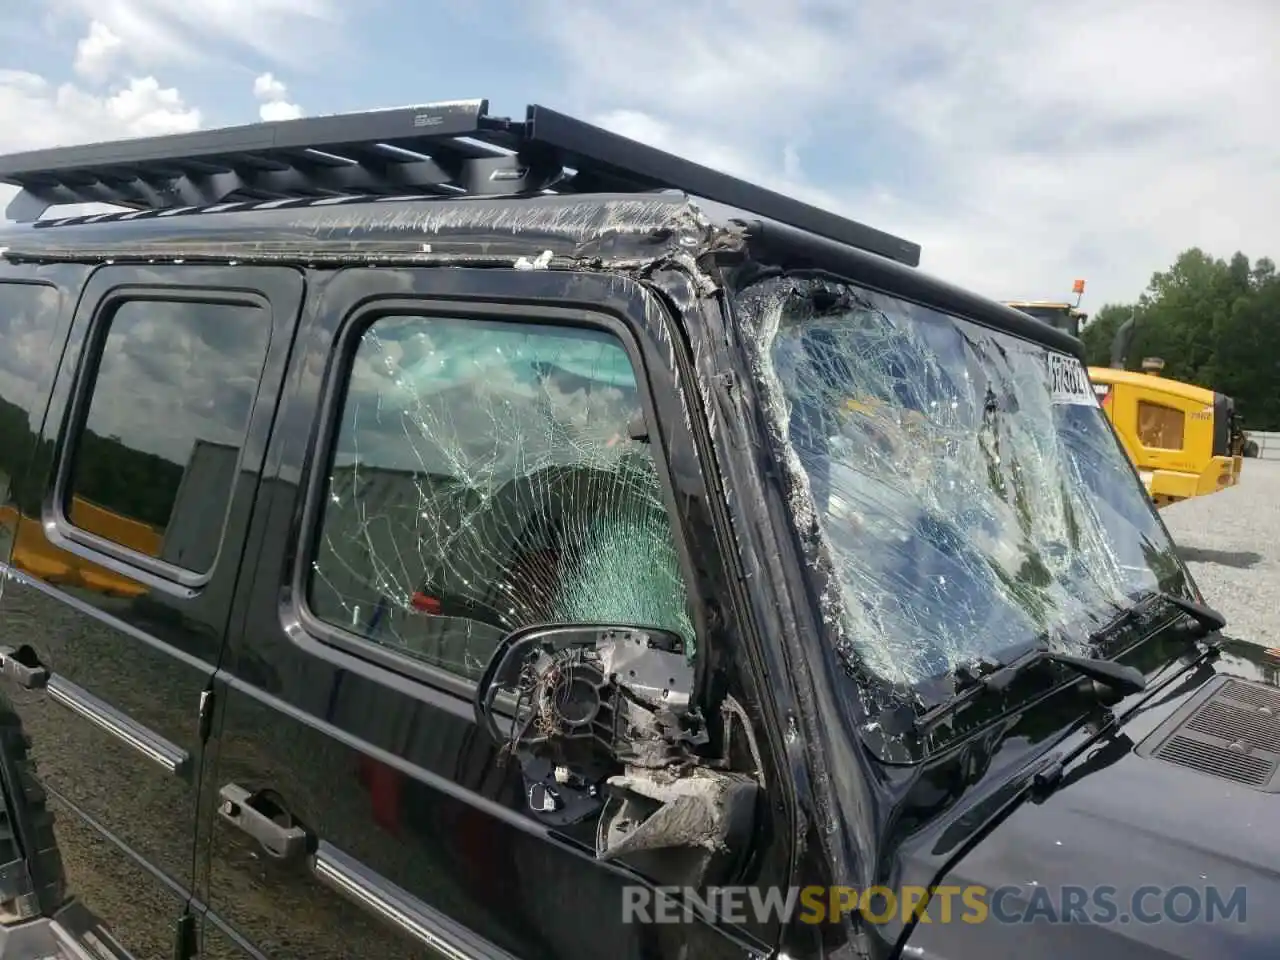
(954, 904)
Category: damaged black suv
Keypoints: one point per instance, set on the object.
(430, 534)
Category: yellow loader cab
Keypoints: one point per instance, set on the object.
(1185, 440)
(1064, 316)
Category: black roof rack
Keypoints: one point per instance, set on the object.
(452, 148)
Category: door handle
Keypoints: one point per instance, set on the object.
(263, 816)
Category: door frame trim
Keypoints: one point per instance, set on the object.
(351, 879)
(154, 747)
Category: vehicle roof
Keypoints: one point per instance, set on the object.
(366, 226)
(443, 149)
(1147, 381)
(444, 182)
(608, 231)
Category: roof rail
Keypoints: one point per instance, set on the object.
(449, 149)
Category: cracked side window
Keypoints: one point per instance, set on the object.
(485, 478)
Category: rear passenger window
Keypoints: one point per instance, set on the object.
(154, 465)
(485, 478)
(28, 324)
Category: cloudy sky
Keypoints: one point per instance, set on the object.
(1023, 143)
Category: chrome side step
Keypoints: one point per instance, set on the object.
(72, 934)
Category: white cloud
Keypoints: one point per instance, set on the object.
(162, 32)
(121, 102)
(270, 112)
(1023, 143)
(97, 52)
(267, 87)
(275, 97)
(144, 109)
(35, 113)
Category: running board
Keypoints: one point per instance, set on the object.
(72, 934)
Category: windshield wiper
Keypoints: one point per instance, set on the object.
(972, 684)
(1108, 674)
(1208, 618)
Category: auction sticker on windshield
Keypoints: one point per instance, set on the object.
(1068, 381)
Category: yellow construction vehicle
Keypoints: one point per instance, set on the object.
(1185, 440)
(1182, 438)
(1065, 316)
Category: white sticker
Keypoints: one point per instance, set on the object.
(1068, 382)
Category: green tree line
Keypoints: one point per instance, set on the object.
(1215, 323)
(139, 485)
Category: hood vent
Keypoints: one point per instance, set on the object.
(1230, 731)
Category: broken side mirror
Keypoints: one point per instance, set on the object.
(602, 721)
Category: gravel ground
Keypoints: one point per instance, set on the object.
(1231, 541)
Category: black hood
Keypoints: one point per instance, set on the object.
(1123, 820)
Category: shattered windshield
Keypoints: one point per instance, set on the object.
(962, 485)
